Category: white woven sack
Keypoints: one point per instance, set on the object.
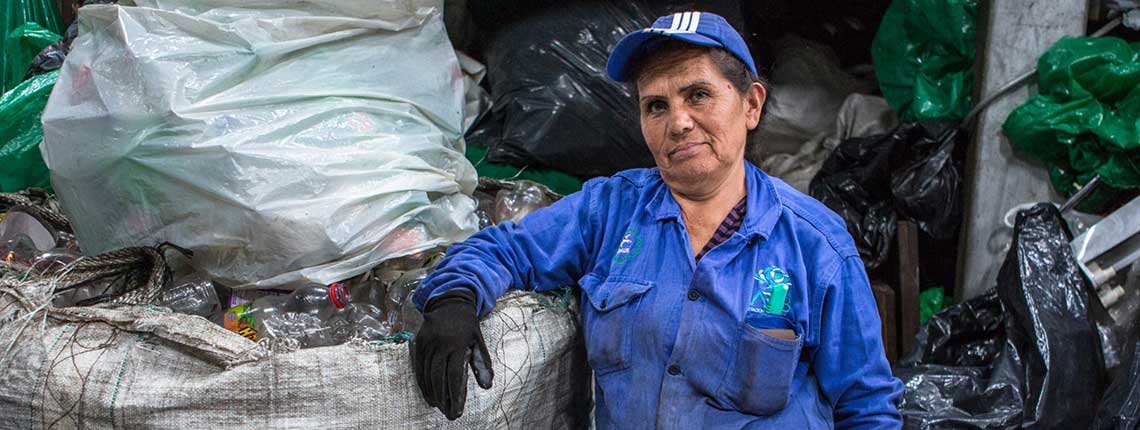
(141, 368)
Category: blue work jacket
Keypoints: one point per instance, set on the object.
(776, 328)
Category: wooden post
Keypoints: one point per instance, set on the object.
(907, 284)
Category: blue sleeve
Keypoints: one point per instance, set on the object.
(550, 248)
(850, 361)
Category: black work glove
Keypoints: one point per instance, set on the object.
(448, 340)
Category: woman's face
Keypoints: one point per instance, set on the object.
(693, 119)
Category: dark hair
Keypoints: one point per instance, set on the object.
(731, 67)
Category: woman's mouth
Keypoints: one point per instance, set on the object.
(685, 150)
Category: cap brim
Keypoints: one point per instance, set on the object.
(633, 45)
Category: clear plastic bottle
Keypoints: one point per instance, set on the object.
(524, 198)
(193, 294)
(398, 296)
(300, 316)
(358, 321)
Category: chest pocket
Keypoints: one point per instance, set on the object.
(760, 380)
(614, 308)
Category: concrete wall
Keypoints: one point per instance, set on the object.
(1013, 34)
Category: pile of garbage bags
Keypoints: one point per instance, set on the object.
(1026, 355)
(924, 57)
(553, 105)
(813, 104)
(26, 27)
(1085, 120)
(912, 173)
(29, 74)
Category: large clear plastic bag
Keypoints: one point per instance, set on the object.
(285, 143)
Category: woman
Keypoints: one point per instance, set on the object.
(713, 295)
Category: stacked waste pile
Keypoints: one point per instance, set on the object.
(1012, 358)
(553, 105)
(1085, 120)
(242, 239)
(109, 340)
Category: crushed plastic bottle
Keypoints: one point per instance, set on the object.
(398, 296)
(524, 198)
(193, 295)
(22, 238)
(17, 251)
(358, 321)
(299, 317)
(55, 259)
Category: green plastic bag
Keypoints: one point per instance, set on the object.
(20, 111)
(21, 46)
(930, 302)
(924, 57)
(558, 182)
(15, 13)
(1085, 119)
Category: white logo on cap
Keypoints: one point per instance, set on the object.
(682, 23)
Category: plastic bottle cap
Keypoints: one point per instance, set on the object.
(339, 295)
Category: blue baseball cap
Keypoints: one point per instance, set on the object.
(698, 28)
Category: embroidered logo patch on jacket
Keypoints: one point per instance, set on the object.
(771, 296)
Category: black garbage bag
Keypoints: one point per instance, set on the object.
(970, 333)
(1048, 374)
(553, 105)
(1050, 323)
(949, 375)
(913, 172)
(1120, 407)
(49, 59)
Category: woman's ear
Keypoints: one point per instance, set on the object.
(754, 104)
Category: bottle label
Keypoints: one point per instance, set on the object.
(239, 319)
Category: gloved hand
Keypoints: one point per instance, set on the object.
(448, 340)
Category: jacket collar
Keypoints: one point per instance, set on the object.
(763, 203)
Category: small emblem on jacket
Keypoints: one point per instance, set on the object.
(629, 246)
(772, 295)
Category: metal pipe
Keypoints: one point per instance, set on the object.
(1018, 81)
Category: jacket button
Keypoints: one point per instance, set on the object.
(603, 303)
(674, 370)
(694, 295)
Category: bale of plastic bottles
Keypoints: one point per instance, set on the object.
(134, 366)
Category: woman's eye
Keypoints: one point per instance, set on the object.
(656, 106)
(699, 95)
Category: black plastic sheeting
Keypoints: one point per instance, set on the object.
(50, 58)
(913, 173)
(970, 333)
(1048, 373)
(1120, 408)
(553, 105)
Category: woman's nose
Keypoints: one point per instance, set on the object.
(680, 123)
